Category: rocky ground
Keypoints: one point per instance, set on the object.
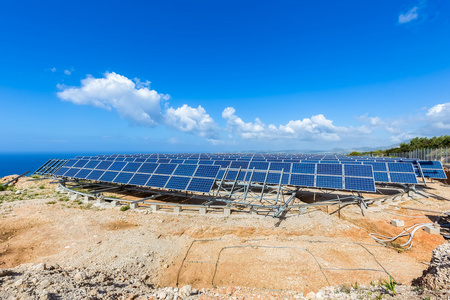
(52, 247)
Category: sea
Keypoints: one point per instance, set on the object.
(19, 163)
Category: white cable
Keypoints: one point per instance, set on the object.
(385, 239)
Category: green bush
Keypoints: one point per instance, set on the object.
(125, 208)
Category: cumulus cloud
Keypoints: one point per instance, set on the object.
(67, 72)
(192, 120)
(137, 103)
(439, 116)
(317, 127)
(408, 16)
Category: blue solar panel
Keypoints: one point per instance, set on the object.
(239, 164)
(132, 167)
(401, 167)
(222, 163)
(177, 161)
(331, 182)
(430, 164)
(360, 184)
(381, 176)
(303, 168)
(165, 169)
(202, 185)
(302, 180)
(157, 181)
(278, 166)
(70, 162)
(205, 162)
(163, 161)
(358, 170)
(259, 165)
(220, 174)
(104, 165)
(403, 178)
(92, 164)
(274, 178)
(329, 169)
(61, 171)
(129, 159)
(82, 174)
(377, 166)
(139, 179)
(95, 175)
(123, 177)
(117, 166)
(108, 176)
(191, 162)
(437, 174)
(147, 168)
(185, 170)
(178, 183)
(71, 172)
(207, 171)
(231, 175)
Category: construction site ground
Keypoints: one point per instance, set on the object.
(237, 256)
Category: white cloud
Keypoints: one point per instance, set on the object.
(53, 69)
(192, 120)
(140, 105)
(439, 116)
(317, 128)
(67, 72)
(408, 16)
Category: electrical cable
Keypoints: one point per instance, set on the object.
(382, 239)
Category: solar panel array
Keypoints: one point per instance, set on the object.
(50, 166)
(198, 172)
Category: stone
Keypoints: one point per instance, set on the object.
(397, 223)
(311, 295)
(185, 291)
(18, 192)
(79, 276)
(161, 295)
(40, 267)
(4, 272)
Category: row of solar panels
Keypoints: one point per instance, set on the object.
(183, 177)
(429, 169)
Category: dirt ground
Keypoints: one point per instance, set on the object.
(301, 253)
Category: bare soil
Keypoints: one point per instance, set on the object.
(301, 254)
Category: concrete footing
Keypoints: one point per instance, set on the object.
(431, 229)
(397, 223)
(177, 209)
(134, 205)
(115, 203)
(227, 211)
(154, 207)
(302, 210)
(100, 200)
(202, 210)
(75, 196)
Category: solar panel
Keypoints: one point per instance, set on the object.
(403, 177)
(303, 168)
(82, 174)
(104, 165)
(185, 170)
(158, 181)
(432, 169)
(207, 171)
(123, 177)
(70, 162)
(437, 174)
(259, 165)
(330, 182)
(329, 169)
(280, 166)
(358, 170)
(92, 164)
(108, 176)
(178, 183)
(165, 169)
(95, 175)
(381, 176)
(61, 171)
(302, 180)
(148, 168)
(132, 167)
(202, 185)
(359, 183)
(117, 166)
(139, 179)
(71, 172)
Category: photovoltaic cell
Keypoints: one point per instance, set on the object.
(71, 172)
(381, 176)
(302, 180)
(165, 169)
(148, 168)
(202, 185)
(329, 169)
(239, 164)
(157, 181)
(70, 162)
(259, 165)
(178, 183)
(92, 164)
(61, 171)
(359, 183)
(95, 175)
(231, 175)
(330, 182)
(104, 165)
(139, 179)
(185, 170)
(358, 170)
(303, 168)
(132, 167)
(108, 176)
(430, 173)
(207, 171)
(401, 167)
(82, 174)
(278, 166)
(117, 166)
(123, 177)
(403, 178)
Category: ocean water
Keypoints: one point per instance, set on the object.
(11, 163)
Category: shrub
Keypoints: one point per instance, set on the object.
(125, 208)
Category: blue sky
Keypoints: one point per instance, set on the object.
(212, 76)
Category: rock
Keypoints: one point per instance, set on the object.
(4, 272)
(40, 267)
(18, 282)
(185, 291)
(161, 295)
(18, 192)
(311, 295)
(45, 283)
(79, 276)
(437, 276)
